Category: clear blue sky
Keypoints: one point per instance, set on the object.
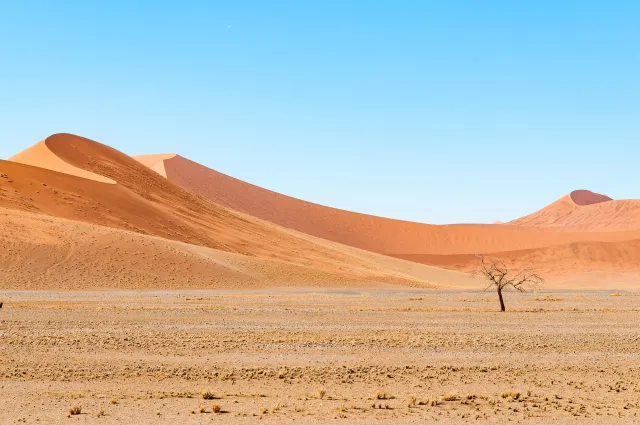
(434, 111)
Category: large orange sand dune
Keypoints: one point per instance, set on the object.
(544, 242)
(138, 200)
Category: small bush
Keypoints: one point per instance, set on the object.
(75, 410)
(208, 395)
(450, 397)
(510, 394)
(412, 401)
(382, 395)
(216, 408)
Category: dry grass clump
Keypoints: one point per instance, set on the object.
(470, 397)
(101, 413)
(412, 401)
(321, 393)
(75, 410)
(548, 298)
(450, 396)
(433, 402)
(208, 395)
(203, 410)
(380, 395)
(114, 401)
(215, 408)
(515, 395)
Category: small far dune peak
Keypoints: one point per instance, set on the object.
(583, 210)
(586, 197)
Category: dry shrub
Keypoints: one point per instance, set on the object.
(208, 395)
(548, 298)
(380, 395)
(450, 397)
(515, 395)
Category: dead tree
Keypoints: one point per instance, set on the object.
(502, 278)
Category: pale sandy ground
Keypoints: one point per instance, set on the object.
(573, 357)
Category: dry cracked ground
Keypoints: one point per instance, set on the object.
(302, 356)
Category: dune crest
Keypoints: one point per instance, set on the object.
(40, 155)
(586, 211)
(586, 197)
(155, 161)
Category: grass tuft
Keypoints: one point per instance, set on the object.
(208, 395)
(380, 395)
(450, 396)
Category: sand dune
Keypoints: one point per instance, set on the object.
(143, 202)
(156, 161)
(39, 155)
(200, 228)
(382, 235)
(43, 252)
(557, 262)
(586, 211)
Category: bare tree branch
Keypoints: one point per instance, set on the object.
(502, 278)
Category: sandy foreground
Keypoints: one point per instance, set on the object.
(310, 356)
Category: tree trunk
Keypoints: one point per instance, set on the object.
(501, 300)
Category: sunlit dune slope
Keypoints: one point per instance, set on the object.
(39, 155)
(143, 202)
(45, 252)
(382, 235)
(586, 211)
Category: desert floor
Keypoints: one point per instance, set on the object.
(309, 356)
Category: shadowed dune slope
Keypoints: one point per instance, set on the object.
(557, 261)
(586, 211)
(377, 234)
(143, 202)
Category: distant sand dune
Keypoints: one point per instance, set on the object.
(388, 236)
(586, 211)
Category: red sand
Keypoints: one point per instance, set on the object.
(70, 177)
(586, 211)
(617, 221)
(144, 202)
